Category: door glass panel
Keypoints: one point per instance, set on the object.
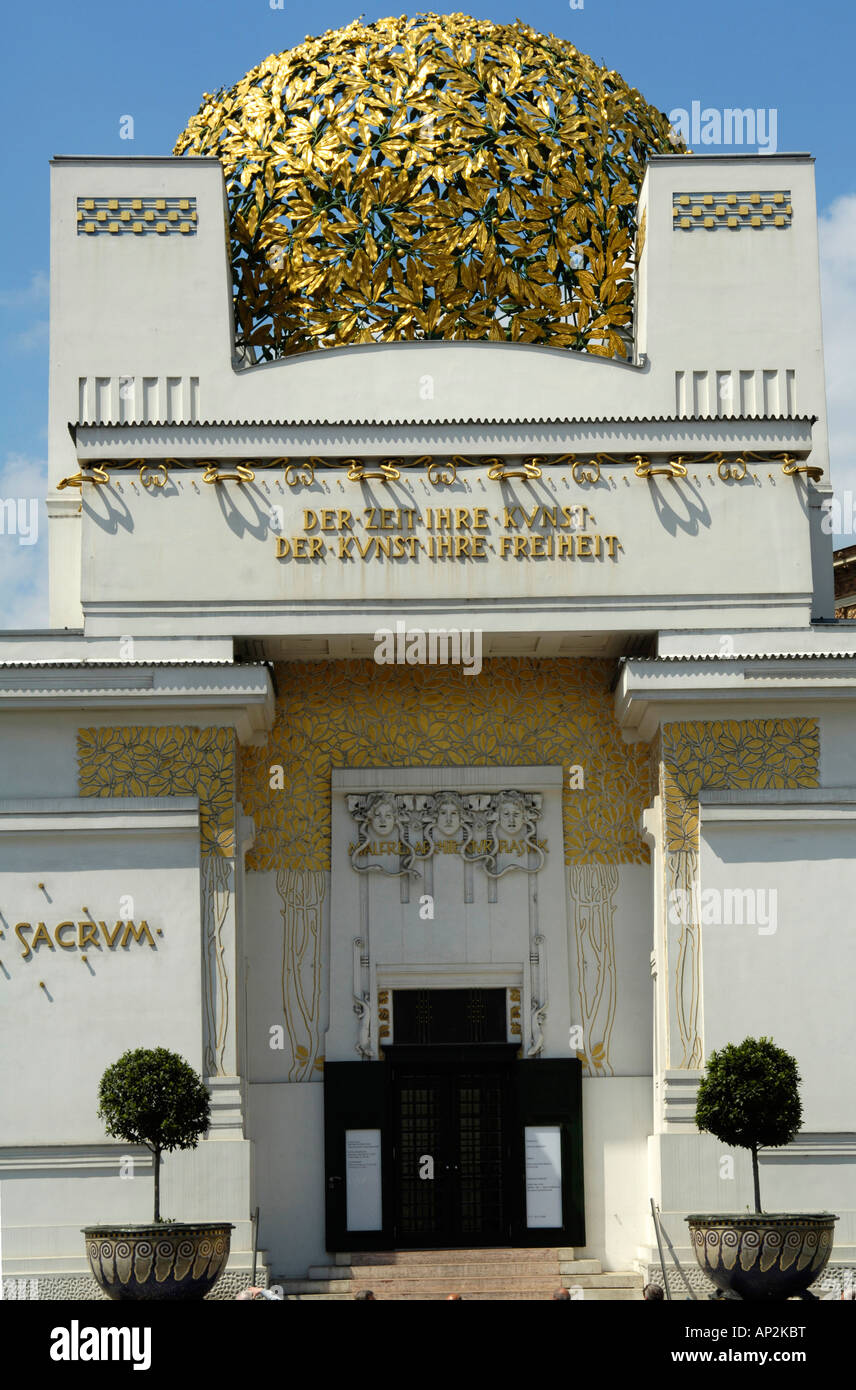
(456, 1116)
(480, 1150)
(420, 1105)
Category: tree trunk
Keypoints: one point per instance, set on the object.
(756, 1178)
(157, 1159)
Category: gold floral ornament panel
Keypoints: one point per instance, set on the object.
(434, 177)
(751, 754)
(516, 711)
(169, 761)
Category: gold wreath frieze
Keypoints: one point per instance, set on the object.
(583, 471)
(297, 472)
(673, 468)
(790, 468)
(442, 474)
(158, 479)
(388, 471)
(500, 472)
(731, 470)
(242, 474)
(99, 476)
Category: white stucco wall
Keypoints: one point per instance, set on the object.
(96, 857)
(287, 1125)
(749, 971)
(616, 1125)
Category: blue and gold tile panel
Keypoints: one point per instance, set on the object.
(731, 211)
(136, 216)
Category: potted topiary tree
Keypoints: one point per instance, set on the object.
(153, 1097)
(749, 1098)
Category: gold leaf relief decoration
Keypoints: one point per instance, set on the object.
(302, 896)
(167, 761)
(434, 177)
(593, 888)
(174, 760)
(719, 754)
(515, 711)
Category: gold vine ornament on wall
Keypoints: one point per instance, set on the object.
(585, 469)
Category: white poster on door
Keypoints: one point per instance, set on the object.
(362, 1179)
(543, 1144)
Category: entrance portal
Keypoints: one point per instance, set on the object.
(452, 1145)
(453, 1139)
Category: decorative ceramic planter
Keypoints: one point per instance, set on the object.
(172, 1261)
(763, 1255)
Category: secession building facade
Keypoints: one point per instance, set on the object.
(443, 744)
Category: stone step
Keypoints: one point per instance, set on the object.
(324, 1297)
(386, 1285)
(516, 1295)
(478, 1255)
(580, 1267)
(525, 1269)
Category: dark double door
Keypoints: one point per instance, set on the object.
(452, 1141)
(439, 1136)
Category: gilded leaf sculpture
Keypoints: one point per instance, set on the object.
(434, 177)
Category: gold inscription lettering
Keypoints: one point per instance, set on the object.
(25, 926)
(66, 945)
(87, 931)
(42, 934)
(138, 933)
(110, 937)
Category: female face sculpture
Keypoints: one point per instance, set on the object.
(510, 816)
(382, 817)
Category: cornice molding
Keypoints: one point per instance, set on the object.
(237, 695)
(342, 439)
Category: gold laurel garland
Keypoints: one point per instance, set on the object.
(442, 472)
(434, 177)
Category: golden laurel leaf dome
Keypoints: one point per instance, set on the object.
(433, 177)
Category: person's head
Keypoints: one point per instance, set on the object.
(453, 1298)
(562, 1294)
(652, 1293)
(365, 1296)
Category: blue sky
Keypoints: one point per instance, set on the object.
(73, 70)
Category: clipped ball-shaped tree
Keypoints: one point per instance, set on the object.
(749, 1097)
(151, 1096)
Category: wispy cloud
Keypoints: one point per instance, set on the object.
(23, 543)
(27, 296)
(23, 309)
